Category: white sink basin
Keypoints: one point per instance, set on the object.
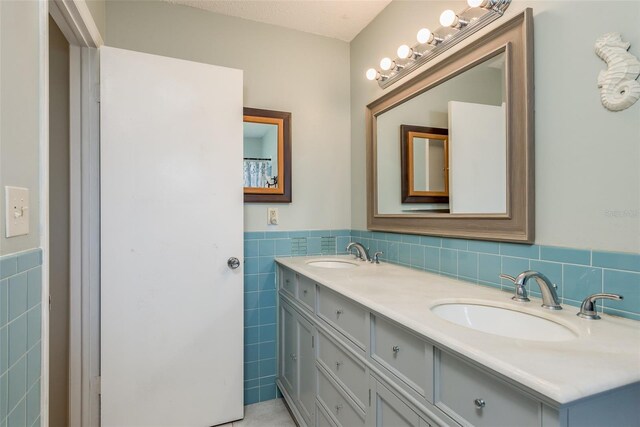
(332, 264)
(503, 322)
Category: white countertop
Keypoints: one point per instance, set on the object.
(604, 356)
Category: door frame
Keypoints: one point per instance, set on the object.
(77, 24)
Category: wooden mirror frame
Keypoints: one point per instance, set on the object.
(515, 39)
(410, 194)
(281, 194)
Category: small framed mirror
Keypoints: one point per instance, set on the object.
(267, 156)
(424, 164)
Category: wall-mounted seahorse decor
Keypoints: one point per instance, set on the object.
(619, 88)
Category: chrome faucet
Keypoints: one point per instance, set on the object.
(361, 252)
(549, 296)
(588, 307)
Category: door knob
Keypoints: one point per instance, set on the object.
(233, 263)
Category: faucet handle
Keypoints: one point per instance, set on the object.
(507, 277)
(376, 257)
(521, 292)
(588, 306)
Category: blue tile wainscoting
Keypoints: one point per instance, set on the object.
(20, 338)
(576, 272)
(260, 298)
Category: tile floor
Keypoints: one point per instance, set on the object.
(272, 413)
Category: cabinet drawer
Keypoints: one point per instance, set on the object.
(307, 292)
(462, 389)
(351, 373)
(288, 280)
(344, 315)
(342, 408)
(404, 354)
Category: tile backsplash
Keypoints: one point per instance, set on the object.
(20, 338)
(576, 272)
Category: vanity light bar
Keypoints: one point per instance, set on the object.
(455, 28)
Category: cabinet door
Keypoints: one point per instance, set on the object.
(306, 373)
(289, 349)
(389, 410)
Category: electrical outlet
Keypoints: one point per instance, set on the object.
(272, 216)
(17, 211)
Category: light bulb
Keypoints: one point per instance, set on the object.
(448, 18)
(424, 36)
(404, 52)
(476, 3)
(372, 74)
(387, 64)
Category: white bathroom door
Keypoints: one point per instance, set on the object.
(171, 217)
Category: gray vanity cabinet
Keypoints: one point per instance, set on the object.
(341, 364)
(296, 356)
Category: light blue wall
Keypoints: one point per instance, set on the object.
(20, 338)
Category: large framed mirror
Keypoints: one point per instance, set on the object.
(267, 156)
(450, 152)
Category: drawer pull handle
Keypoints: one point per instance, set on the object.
(338, 365)
(339, 312)
(338, 407)
(305, 291)
(287, 281)
(293, 356)
(396, 349)
(480, 403)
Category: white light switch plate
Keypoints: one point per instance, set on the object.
(272, 216)
(17, 210)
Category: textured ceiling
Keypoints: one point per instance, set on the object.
(339, 19)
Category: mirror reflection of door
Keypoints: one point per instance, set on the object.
(425, 173)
